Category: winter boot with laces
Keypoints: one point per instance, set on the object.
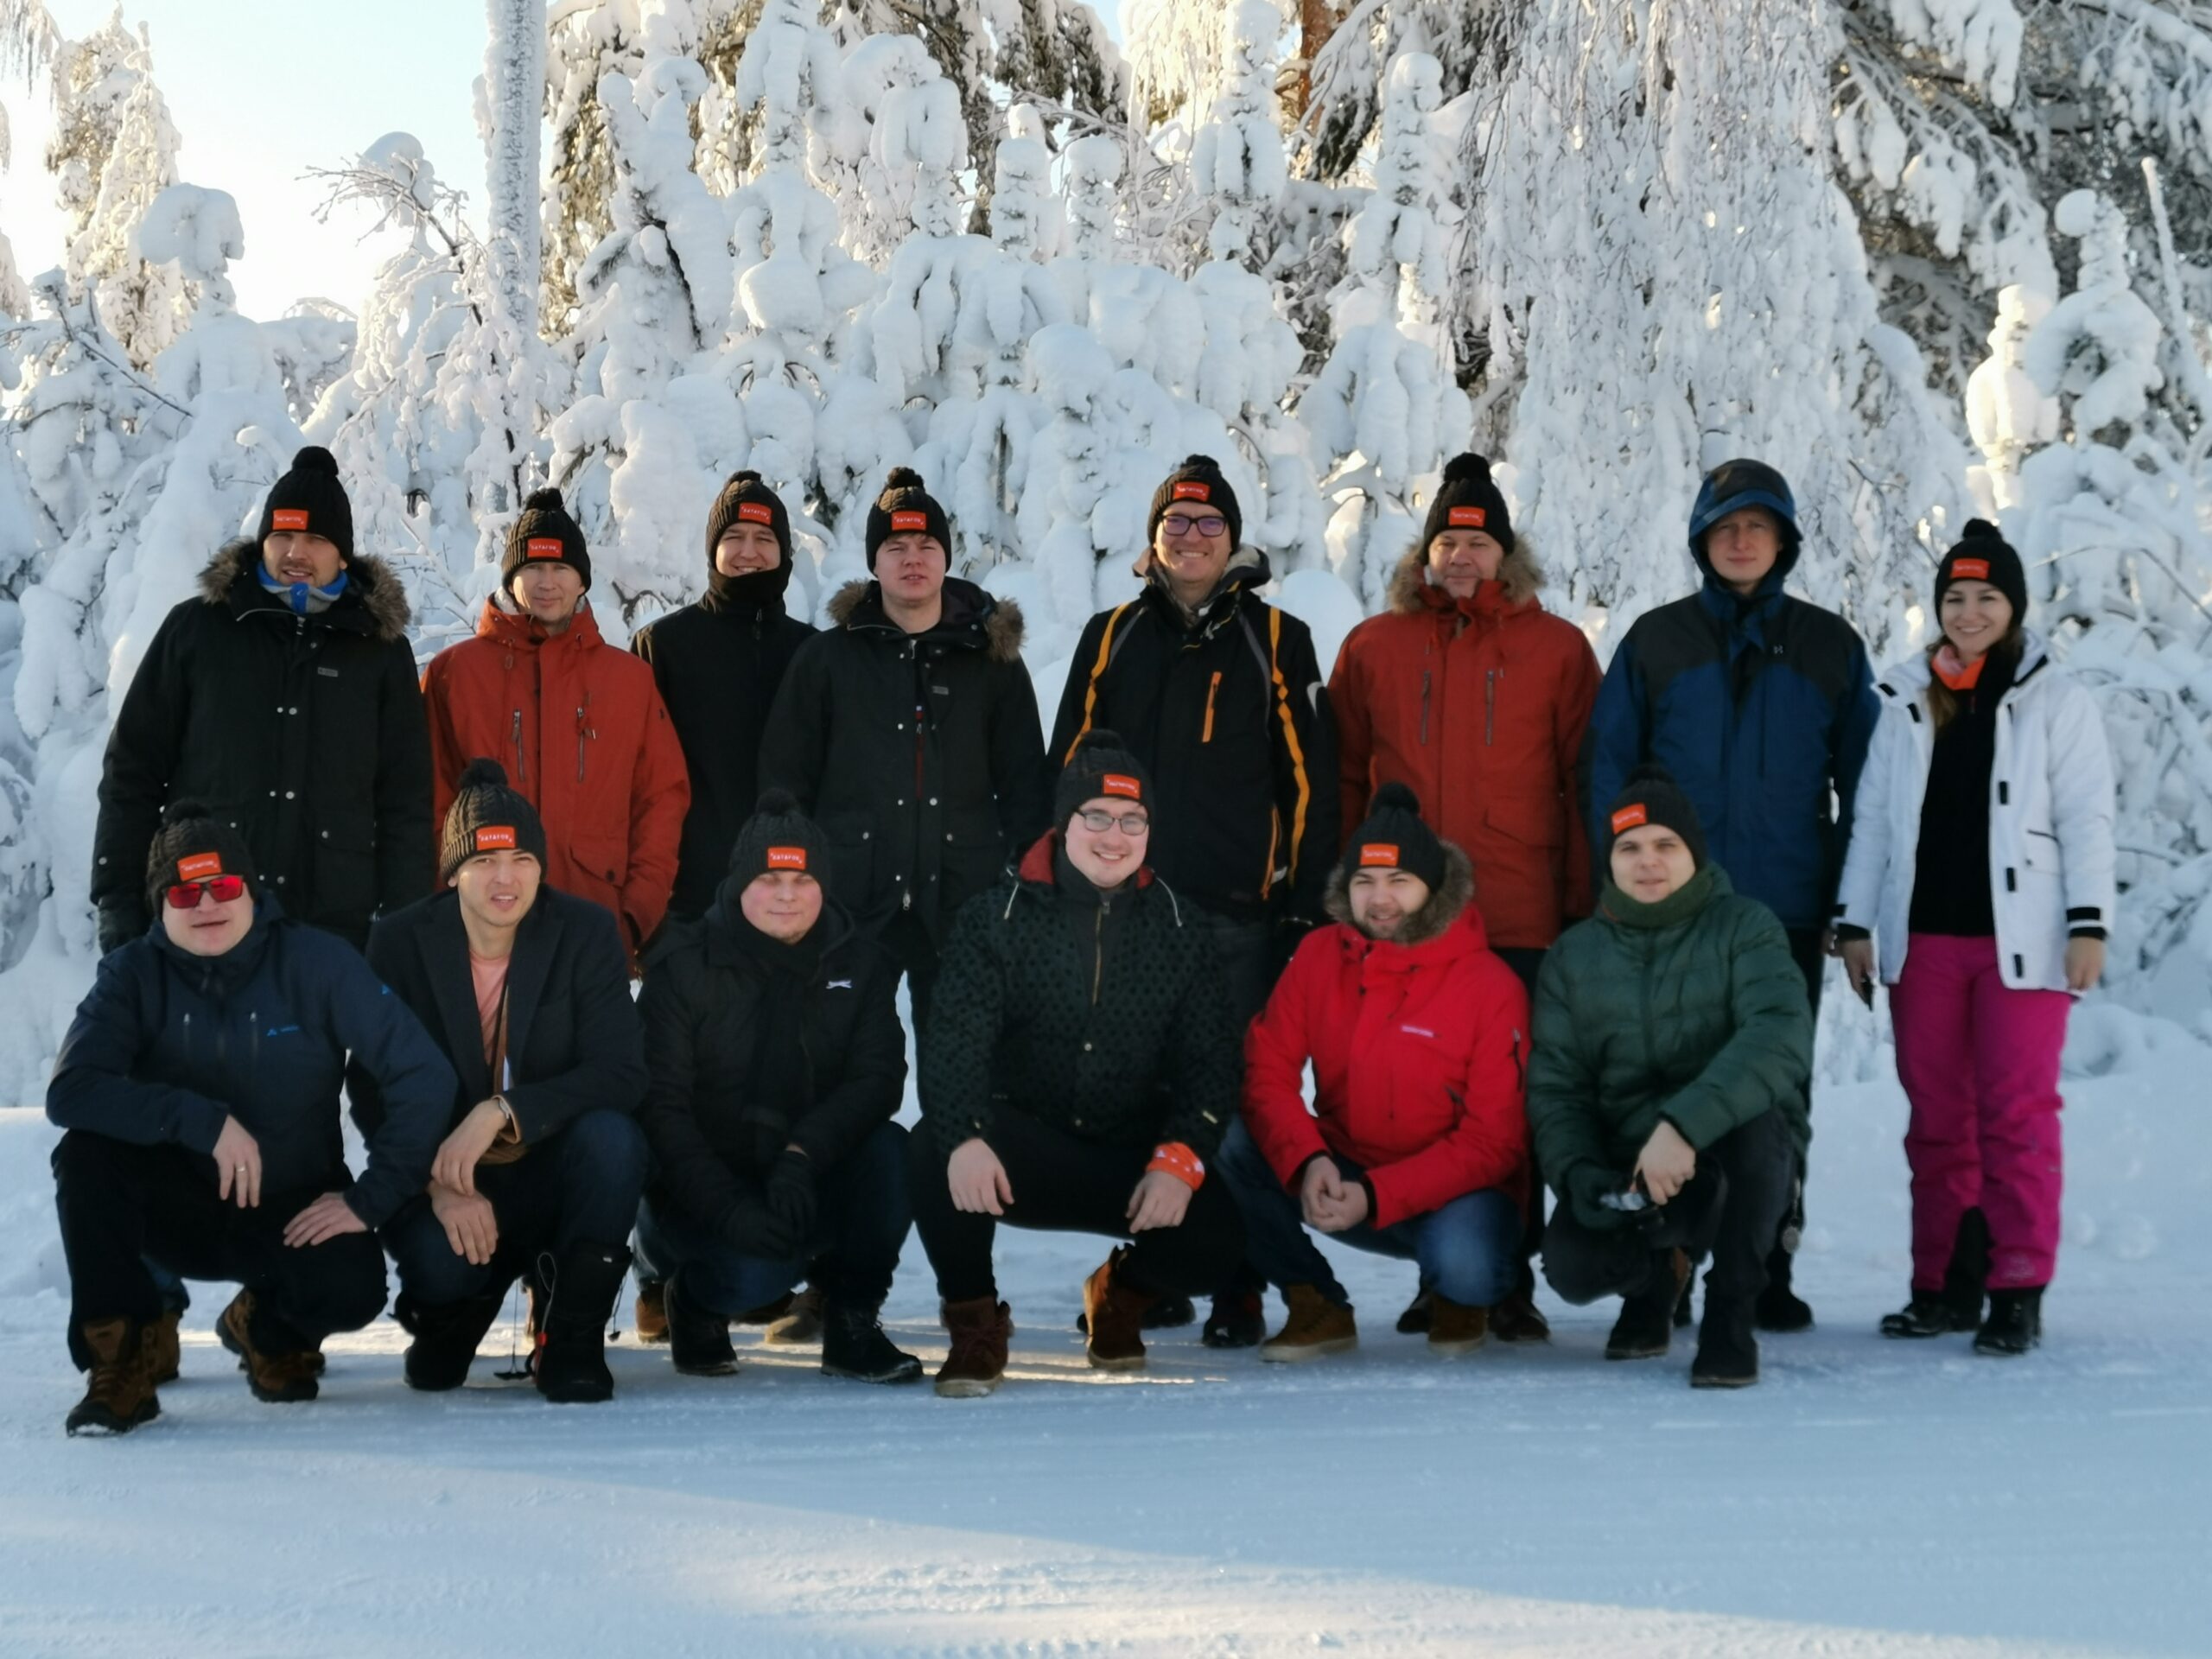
(1957, 1307)
(445, 1337)
(798, 1326)
(649, 1313)
(698, 1338)
(164, 1347)
(1727, 1352)
(2014, 1324)
(1315, 1327)
(975, 1365)
(853, 1344)
(570, 1363)
(1114, 1311)
(279, 1367)
(1238, 1319)
(1645, 1327)
(1454, 1330)
(119, 1392)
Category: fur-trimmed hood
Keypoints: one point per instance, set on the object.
(994, 623)
(1445, 903)
(1519, 576)
(369, 581)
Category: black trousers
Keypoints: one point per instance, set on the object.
(121, 1204)
(1527, 961)
(916, 952)
(1730, 1209)
(1064, 1185)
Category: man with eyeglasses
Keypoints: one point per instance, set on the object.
(1077, 1075)
(198, 1086)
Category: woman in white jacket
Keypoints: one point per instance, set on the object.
(1980, 884)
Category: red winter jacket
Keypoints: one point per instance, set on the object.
(1420, 1052)
(1478, 705)
(581, 729)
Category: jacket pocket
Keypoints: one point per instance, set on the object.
(601, 857)
(345, 869)
(2040, 853)
(853, 841)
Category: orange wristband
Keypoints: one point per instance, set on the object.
(1177, 1160)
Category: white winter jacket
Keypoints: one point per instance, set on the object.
(2050, 819)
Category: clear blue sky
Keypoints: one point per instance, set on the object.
(260, 90)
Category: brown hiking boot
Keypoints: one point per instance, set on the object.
(1316, 1326)
(277, 1378)
(119, 1394)
(977, 1363)
(1113, 1313)
(1517, 1319)
(800, 1324)
(649, 1313)
(1453, 1330)
(164, 1348)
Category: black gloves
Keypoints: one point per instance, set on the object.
(790, 1197)
(1587, 1186)
(750, 1227)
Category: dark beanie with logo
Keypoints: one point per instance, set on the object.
(1101, 768)
(310, 498)
(1984, 555)
(193, 844)
(1197, 483)
(744, 499)
(1651, 796)
(779, 836)
(1468, 500)
(1394, 837)
(487, 816)
(542, 532)
(906, 507)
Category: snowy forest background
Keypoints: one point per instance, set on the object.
(1931, 258)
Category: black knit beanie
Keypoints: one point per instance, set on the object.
(1652, 797)
(544, 530)
(1198, 481)
(1467, 500)
(1984, 555)
(192, 845)
(778, 836)
(905, 505)
(1395, 838)
(745, 500)
(487, 816)
(1101, 768)
(309, 498)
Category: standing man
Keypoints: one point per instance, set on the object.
(580, 723)
(284, 696)
(909, 732)
(1761, 706)
(1470, 691)
(717, 664)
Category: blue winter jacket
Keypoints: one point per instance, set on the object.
(168, 1044)
(1761, 709)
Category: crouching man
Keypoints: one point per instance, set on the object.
(776, 1065)
(1077, 1071)
(527, 990)
(1417, 1144)
(1667, 1091)
(198, 1086)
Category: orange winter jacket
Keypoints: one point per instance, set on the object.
(581, 729)
(1478, 705)
(1420, 1052)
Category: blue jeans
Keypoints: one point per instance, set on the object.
(860, 1217)
(1469, 1249)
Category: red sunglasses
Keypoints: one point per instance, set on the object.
(221, 889)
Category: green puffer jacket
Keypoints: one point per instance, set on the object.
(1690, 1010)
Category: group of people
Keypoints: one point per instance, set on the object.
(1523, 924)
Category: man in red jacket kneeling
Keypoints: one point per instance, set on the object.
(1417, 1144)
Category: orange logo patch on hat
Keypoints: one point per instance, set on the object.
(787, 858)
(1978, 569)
(910, 521)
(492, 836)
(1379, 853)
(1629, 816)
(755, 513)
(1192, 491)
(1119, 783)
(288, 518)
(193, 867)
(545, 547)
(1470, 517)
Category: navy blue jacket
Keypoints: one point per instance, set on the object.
(1762, 709)
(166, 1045)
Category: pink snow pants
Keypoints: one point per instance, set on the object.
(1980, 1065)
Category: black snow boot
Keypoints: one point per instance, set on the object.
(1413, 1322)
(569, 1364)
(1727, 1352)
(1778, 1307)
(1646, 1323)
(1238, 1319)
(853, 1344)
(1957, 1307)
(445, 1337)
(2014, 1324)
(698, 1338)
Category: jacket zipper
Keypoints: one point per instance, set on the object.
(1098, 954)
(1490, 705)
(521, 773)
(584, 731)
(1212, 686)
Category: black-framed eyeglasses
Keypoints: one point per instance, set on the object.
(1175, 525)
(1129, 823)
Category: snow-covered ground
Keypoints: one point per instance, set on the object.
(1868, 1498)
